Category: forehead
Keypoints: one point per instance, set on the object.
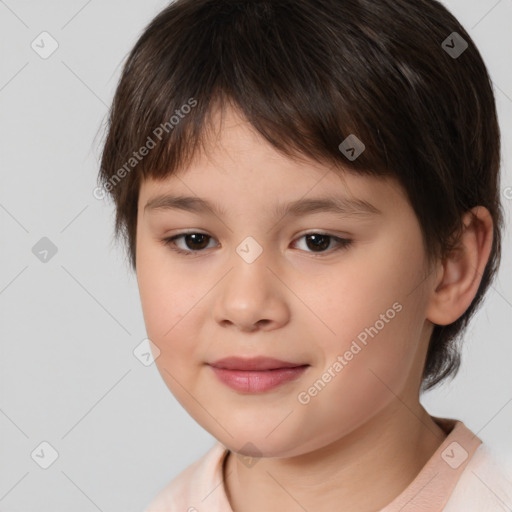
(236, 165)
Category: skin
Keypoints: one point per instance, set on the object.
(299, 304)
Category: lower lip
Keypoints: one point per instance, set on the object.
(257, 381)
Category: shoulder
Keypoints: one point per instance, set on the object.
(485, 484)
(188, 491)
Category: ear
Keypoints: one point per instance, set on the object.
(460, 274)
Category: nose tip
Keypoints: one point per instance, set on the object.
(251, 299)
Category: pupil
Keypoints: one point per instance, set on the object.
(194, 237)
(316, 238)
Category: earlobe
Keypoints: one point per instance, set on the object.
(462, 270)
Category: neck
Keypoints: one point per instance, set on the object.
(365, 470)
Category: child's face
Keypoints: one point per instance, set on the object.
(300, 301)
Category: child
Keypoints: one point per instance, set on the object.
(262, 128)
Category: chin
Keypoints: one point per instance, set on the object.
(257, 443)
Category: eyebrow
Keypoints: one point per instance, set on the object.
(339, 205)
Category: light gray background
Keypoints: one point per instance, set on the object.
(68, 375)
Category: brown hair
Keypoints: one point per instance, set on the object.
(307, 74)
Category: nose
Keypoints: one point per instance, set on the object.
(252, 297)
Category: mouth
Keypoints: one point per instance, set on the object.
(256, 375)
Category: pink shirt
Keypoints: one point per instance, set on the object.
(461, 476)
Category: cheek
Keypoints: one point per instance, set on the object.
(375, 313)
(172, 319)
(162, 291)
(171, 303)
(377, 356)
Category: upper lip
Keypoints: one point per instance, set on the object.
(253, 363)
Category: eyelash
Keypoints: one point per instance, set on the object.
(343, 243)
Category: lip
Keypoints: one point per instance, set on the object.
(257, 374)
(259, 363)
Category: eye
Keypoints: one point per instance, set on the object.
(196, 242)
(321, 241)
